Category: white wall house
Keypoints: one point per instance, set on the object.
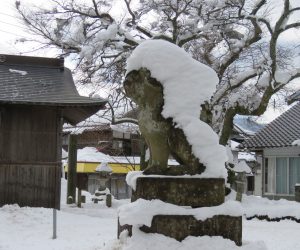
(280, 154)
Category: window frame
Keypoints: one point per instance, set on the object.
(267, 187)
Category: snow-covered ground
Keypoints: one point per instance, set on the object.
(94, 227)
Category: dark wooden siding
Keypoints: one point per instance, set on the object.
(30, 155)
(35, 186)
(28, 134)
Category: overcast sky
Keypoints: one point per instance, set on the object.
(12, 29)
(9, 28)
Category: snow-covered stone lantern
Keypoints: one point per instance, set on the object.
(104, 172)
(241, 169)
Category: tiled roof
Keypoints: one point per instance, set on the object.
(279, 133)
(43, 81)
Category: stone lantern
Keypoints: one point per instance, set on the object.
(104, 172)
(241, 169)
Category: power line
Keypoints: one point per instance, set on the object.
(12, 24)
(1, 13)
(4, 31)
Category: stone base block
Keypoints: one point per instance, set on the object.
(181, 226)
(194, 192)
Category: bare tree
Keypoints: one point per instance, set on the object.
(239, 39)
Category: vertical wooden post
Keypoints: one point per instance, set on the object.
(79, 198)
(54, 223)
(72, 173)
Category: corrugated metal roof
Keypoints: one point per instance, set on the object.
(279, 133)
(43, 81)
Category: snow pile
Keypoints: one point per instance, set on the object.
(94, 227)
(253, 205)
(140, 240)
(256, 205)
(63, 195)
(141, 212)
(78, 229)
(131, 178)
(186, 85)
(21, 72)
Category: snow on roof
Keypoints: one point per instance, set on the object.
(91, 154)
(21, 72)
(296, 142)
(86, 126)
(103, 167)
(294, 97)
(233, 145)
(186, 85)
(247, 124)
(247, 156)
(241, 167)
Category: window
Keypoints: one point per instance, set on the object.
(250, 183)
(281, 175)
(287, 174)
(294, 173)
(266, 174)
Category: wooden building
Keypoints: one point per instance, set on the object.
(107, 138)
(37, 95)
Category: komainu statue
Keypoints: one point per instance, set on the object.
(161, 135)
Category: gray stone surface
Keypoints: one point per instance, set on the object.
(163, 137)
(181, 226)
(194, 192)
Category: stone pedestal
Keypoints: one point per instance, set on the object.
(181, 226)
(194, 192)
